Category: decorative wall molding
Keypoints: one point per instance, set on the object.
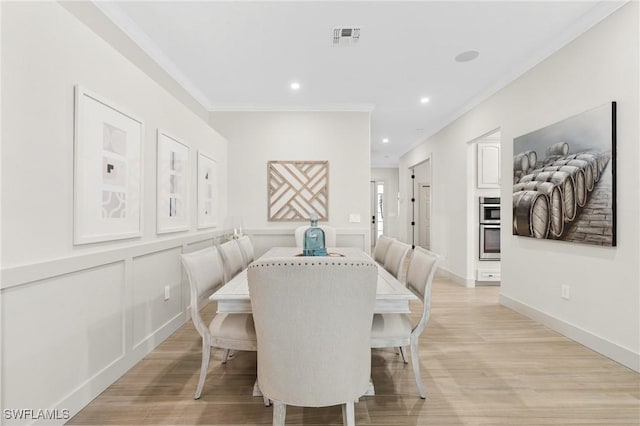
(13, 276)
(143, 325)
(297, 188)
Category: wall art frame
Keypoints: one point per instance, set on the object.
(207, 191)
(564, 180)
(173, 173)
(297, 188)
(108, 147)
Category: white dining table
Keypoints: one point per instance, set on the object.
(391, 296)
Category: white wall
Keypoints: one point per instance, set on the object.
(604, 311)
(74, 318)
(255, 138)
(391, 219)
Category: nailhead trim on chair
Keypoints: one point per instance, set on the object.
(307, 263)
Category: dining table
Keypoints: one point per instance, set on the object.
(392, 296)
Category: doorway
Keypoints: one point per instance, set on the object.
(421, 200)
(377, 211)
(424, 216)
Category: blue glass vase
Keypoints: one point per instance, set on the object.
(314, 239)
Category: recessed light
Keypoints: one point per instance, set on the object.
(385, 140)
(295, 86)
(467, 56)
(424, 100)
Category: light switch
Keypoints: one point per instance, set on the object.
(354, 218)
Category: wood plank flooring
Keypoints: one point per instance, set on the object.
(482, 364)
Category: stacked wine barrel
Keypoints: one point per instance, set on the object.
(548, 193)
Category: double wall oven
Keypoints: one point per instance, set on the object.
(489, 228)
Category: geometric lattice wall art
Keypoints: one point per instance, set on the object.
(297, 188)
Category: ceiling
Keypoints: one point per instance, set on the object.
(243, 56)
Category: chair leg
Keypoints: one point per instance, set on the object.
(403, 352)
(206, 354)
(348, 414)
(415, 363)
(226, 356)
(279, 413)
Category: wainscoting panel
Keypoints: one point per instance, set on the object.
(72, 326)
(151, 274)
(60, 332)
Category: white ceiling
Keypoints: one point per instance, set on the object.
(242, 56)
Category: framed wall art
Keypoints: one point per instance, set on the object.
(173, 184)
(107, 170)
(564, 179)
(207, 191)
(298, 188)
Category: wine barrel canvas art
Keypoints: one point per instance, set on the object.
(564, 179)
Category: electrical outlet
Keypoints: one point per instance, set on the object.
(167, 292)
(564, 292)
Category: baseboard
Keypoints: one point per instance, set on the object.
(604, 347)
(465, 282)
(94, 386)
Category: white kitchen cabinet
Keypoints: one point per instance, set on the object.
(488, 165)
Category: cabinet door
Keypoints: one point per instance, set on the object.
(488, 165)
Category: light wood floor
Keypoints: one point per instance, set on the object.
(482, 364)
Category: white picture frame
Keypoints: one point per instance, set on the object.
(207, 191)
(107, 170)
(173, 172)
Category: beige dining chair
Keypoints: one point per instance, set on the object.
(232, 259)
(226, 331)
(329, 235)
(394, 258)
(313, 321)
(397, 330)
(246, 248)
(382, 246)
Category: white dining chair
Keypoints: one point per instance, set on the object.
(246, 248)
(394, 258)
(232, 259)
(382, 246)
(226, 331)
(397, 330)
(329, 235)
(313, 322)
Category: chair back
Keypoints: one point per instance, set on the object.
(382, 246)
(313, 322)
(232, 259)
(422, 268)
(329, 235)
(205, 274)
(247, 249)
(394, 258)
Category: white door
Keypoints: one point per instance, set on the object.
(424, 214)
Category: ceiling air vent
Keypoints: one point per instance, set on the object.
(346, 36)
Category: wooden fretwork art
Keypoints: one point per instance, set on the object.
(297, 188)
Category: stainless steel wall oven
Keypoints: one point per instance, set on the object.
(489, 228)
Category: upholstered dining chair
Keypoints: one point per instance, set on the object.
(232, 259)
(382, 246)
(394, 258)
(313, 321)
(246, 248)
(397, 330)
(226, 331)
(329, 235)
